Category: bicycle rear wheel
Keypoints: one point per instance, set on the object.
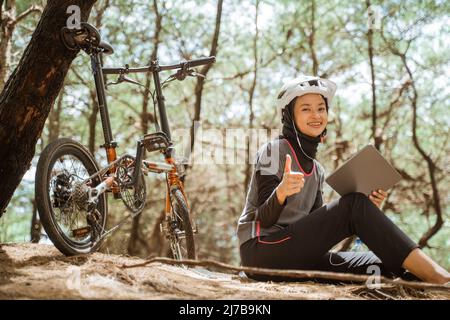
(181, 236)
(60, 197)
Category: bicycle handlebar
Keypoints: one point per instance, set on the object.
(185, 64)
(190, 63)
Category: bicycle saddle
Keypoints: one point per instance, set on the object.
(85, 38)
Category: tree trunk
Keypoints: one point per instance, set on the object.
(54, 119)
(92, 121)
(423, 241)
(204, 71)
(30, 92)
(157, 245)
(53, 127)
(7, 29)
(8, 22)
(376, 136)
(35, 232)
(311, 39)
(135, 238)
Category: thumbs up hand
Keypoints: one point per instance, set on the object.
(292, 182)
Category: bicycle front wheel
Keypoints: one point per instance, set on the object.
(61, 197)
(182, 238)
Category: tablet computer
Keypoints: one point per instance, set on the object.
(364, 172)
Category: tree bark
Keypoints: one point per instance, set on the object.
(54, 119)
(30, 92)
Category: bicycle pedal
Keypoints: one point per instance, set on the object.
(81, 232)
(155, 141)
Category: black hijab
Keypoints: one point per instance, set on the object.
(309, 144)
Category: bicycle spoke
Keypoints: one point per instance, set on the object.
(67, 215)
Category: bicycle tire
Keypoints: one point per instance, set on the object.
(183, 219)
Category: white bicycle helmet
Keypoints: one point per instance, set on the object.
(303, 85)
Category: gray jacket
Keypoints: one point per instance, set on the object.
(270, 160)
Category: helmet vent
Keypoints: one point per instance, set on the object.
(281, 94)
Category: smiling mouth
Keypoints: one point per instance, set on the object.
(315, 124)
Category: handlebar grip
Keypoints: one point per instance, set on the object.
(201, 61)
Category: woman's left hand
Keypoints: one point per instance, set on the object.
(378, 196)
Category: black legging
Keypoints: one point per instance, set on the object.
(305, 244)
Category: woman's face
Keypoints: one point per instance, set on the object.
(310, 114)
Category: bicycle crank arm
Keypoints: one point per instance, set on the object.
(94, 193)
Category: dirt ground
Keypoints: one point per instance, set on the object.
(37, 271)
